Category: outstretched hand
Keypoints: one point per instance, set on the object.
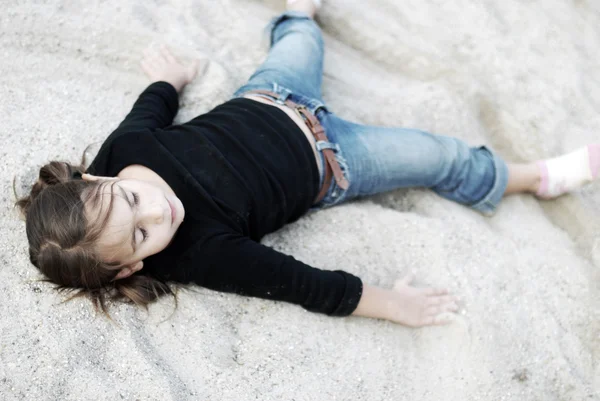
(407, 305)
(160, 65)
(418, 307)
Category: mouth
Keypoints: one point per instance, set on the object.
(173, 213)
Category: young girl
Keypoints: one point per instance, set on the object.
(165, 203)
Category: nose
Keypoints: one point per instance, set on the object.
(154, 214)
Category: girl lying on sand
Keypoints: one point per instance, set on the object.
(189, 203)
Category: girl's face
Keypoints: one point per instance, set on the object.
(143, 220)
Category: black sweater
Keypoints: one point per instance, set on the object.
(242, 170)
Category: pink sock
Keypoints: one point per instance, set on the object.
(594, 151)
(543, 188)
(568, 172)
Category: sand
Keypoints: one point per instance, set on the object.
(520, 76)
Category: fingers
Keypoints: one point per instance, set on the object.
(147, 68)
(193, 69)
(438, 308)
(159, 56)
(89, 177)
(441, 300)
(435, 291)
(150, 63)
(408, 279)
(439, 315)
(424, 306)
(437, 304)
(442, 308)
(166, 53)
(404, 281)
(158, 63)
(439, 320)
(151, 56)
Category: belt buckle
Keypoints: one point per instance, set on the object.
(298, 109)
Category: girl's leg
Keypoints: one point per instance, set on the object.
(523, 178)
(309, 7)
(295, 60)
(554, 177)
(379, 159)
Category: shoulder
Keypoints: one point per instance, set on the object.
(120, 149)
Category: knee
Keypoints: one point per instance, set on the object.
(467, 173)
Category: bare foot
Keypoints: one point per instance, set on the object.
(309, 7)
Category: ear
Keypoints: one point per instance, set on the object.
(89, 177)
(129, 270)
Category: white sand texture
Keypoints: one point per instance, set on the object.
(520, 76)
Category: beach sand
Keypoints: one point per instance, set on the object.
(520, 76)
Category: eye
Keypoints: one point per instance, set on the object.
(136, 198)
(144, 234)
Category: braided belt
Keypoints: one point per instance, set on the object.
(332, 167)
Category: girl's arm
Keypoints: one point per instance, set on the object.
(161, 65)
(231, 262)
(406, 304)
(158, 104)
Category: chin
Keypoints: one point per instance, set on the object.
(180, 212)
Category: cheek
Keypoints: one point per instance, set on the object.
(165, 235)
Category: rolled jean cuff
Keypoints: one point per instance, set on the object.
(490, 201)
(270, 28)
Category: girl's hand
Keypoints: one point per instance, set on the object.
(418, 307)
(407, 305)
(161, 65)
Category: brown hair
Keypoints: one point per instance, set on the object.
(61, 240)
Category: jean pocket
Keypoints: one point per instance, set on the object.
(335, 194)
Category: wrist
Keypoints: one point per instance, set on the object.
(376, 303)
(178, 84)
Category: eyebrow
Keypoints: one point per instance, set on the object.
(131, 206)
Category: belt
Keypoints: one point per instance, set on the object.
(332, 167)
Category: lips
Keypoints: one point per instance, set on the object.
(173, 214)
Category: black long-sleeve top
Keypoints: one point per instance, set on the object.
(242, 170)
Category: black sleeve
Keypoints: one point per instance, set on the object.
(234, 263)
(155, 108)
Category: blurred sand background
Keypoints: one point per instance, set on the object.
(521, 76)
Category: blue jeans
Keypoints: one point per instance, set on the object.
(374, 159)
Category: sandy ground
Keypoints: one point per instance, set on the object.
(521, 76)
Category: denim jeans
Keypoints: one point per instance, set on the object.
(374, 159)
